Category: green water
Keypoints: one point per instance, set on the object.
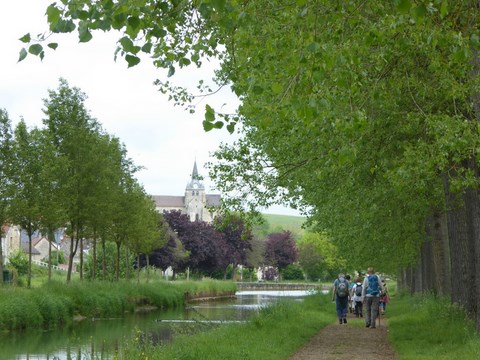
(101, 338)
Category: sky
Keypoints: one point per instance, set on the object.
(162, 138)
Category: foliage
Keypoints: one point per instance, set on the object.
(280, 250)
(440, 329)
(237, 236)
(110, 262)
(19, 260)
(58, 257)
(292, 272)
(319, 258)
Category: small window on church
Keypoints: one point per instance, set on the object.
(193, 193)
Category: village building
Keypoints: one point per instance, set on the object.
(198, 205)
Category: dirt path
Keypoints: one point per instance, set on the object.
(352, 341)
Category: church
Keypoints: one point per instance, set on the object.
(198, 205)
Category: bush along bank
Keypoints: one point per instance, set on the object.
(57, 304)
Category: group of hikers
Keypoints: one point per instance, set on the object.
(371, 291)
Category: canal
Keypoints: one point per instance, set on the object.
(101, 338)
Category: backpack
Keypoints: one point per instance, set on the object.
(373, 285)
(358, 290)
(342, 288)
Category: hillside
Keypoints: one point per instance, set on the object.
(277, 223)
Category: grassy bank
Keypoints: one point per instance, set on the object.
(57, 303)
(284, 327)
(420, 327)
(425, 327)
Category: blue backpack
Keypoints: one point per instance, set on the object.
(373, 285)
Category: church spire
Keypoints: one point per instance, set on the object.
(195, 171)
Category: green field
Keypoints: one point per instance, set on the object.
(290, 223)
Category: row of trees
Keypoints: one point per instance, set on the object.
(365, 114)
(71, 174)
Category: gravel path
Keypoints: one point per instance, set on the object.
(352, 341)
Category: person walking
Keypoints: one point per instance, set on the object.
(341, 294)
(357, 297)
(384, 298)
(372, 288)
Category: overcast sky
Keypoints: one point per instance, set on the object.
(164, 139)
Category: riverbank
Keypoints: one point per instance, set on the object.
(57, 304)
(420, 327)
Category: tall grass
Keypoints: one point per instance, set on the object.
(57, 303)
(428, 327)
(276, 333)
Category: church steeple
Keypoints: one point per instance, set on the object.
(195, 182)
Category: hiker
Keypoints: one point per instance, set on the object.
(372, 288)
(357, 297)
(384, 298)
(341, 296)
(350, 305)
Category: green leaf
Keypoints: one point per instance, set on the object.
(231, 128)
(444, 8)
(63, 26)
(277, 88)
(134, 22)
(404, 6)
(132, 60)
(209, 113)
(147, 47)
(314, 47)
(218, 124)
(26, 38)
(53, 15)
(35, 49)
(23, 54)
(52, 46)
(171, 71)
(207, 126)
(127, 44)
(83, 32)
(419, 12)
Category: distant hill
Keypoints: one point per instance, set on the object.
(277, 223)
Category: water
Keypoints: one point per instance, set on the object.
(99, 338)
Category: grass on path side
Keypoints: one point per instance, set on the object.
(431, 328)
(276, 333)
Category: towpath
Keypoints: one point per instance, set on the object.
(351, 341)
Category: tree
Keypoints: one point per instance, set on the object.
(238, 239)
(25, 202)
(73, 133)
(205, 245)
(280, 250)
(319, 258)
(5, 180)
(53, 215)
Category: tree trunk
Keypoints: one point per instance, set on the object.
(104, 259)
(29, 278)
(117, 261)
(437, 231)
(50, 238)
(461, 250)
(472, 204)
(1, 253)
(94, 254)
(73, 251)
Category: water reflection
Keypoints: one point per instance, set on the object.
(101, 338)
